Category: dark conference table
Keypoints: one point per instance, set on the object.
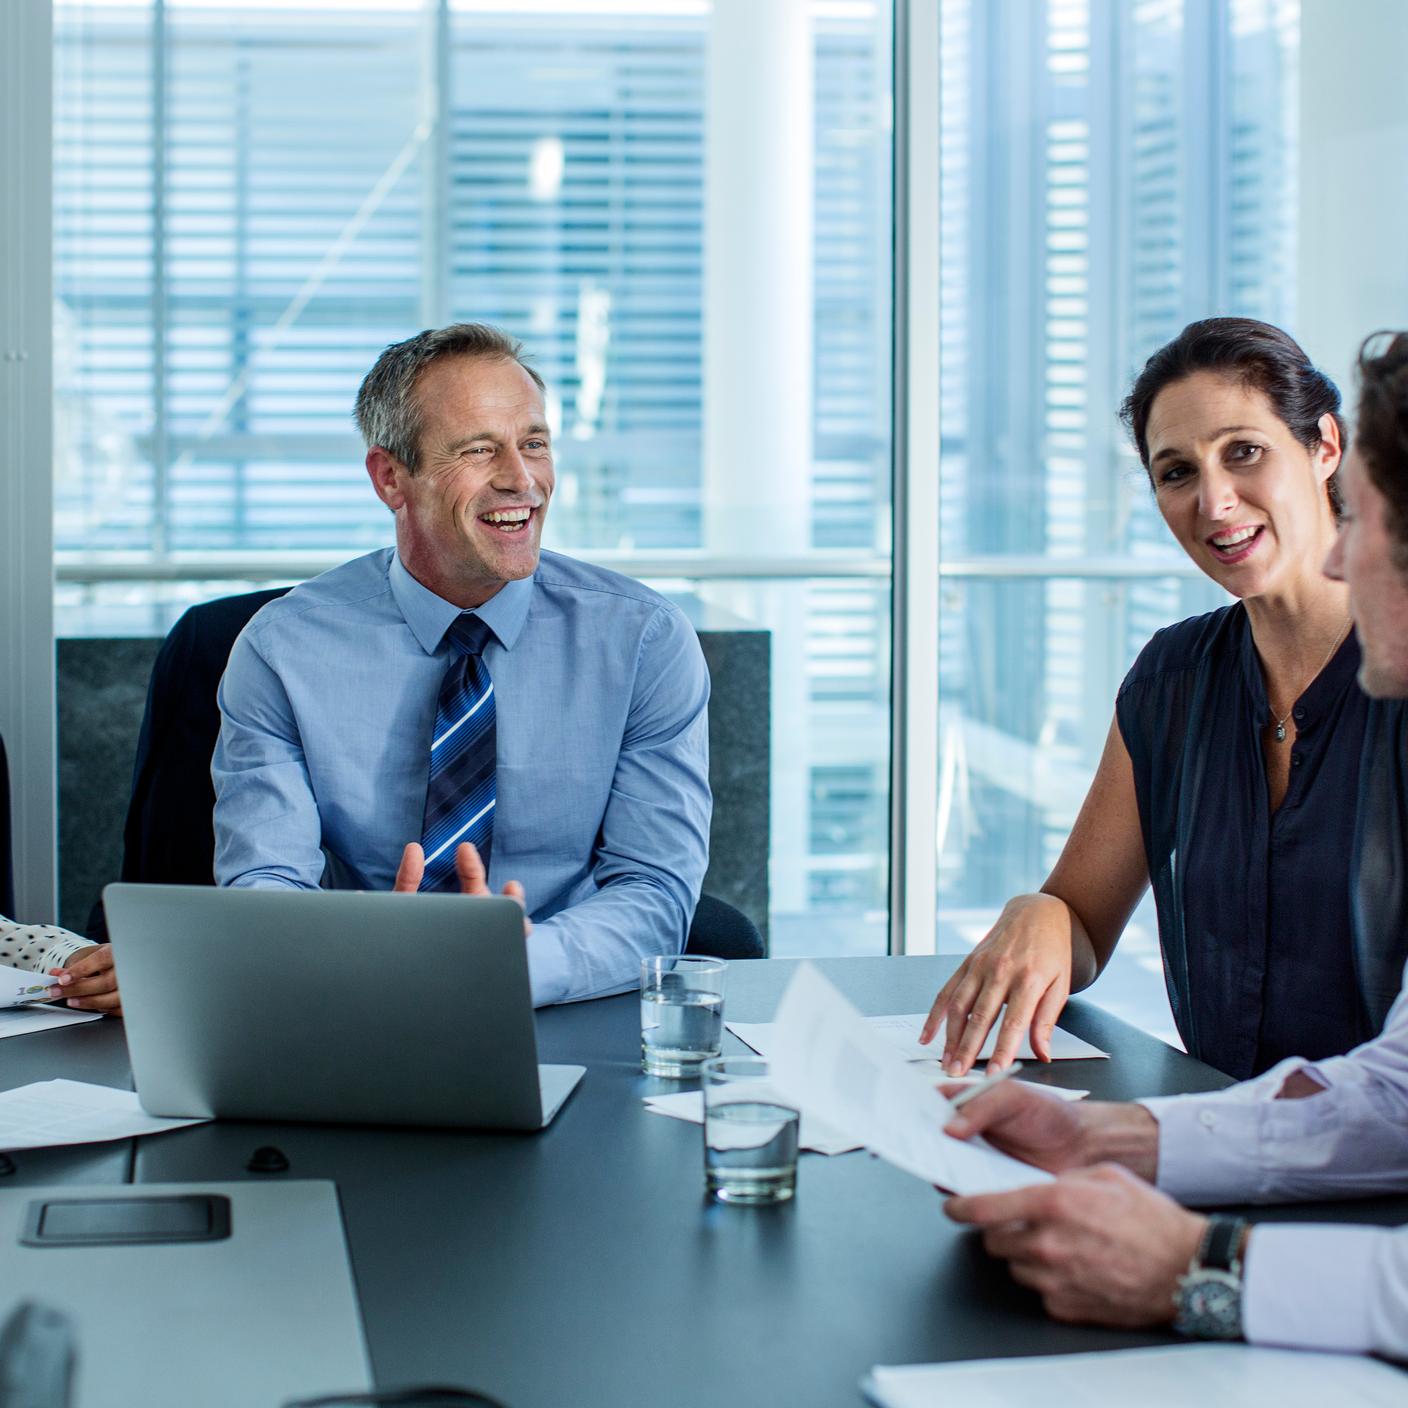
(583, 1265)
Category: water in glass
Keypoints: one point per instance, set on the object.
(680, 1027)
(750, 1152)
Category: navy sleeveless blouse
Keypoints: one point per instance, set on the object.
(1266, 954)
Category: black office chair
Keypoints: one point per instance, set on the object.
(721, 931)
(169, 836)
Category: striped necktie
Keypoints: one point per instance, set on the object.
(459, 796)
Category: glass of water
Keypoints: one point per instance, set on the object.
(681, 1014)
(750, 1133)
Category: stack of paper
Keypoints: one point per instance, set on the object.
(1210, 1375)
(20, 990)
(812, 1133)
(902, 1032)
(20, 1021)
(53, 1112)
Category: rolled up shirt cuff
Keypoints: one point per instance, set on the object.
(1308, 1286)
(1207, 1148)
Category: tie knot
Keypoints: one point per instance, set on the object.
(468, 634)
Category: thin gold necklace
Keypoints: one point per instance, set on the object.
(1281, 720)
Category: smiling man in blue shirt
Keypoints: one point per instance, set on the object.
(566, 704)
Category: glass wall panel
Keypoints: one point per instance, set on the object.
(252, 199)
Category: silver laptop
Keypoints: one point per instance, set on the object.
(320, 1005)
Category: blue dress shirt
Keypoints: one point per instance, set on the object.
(327, 711)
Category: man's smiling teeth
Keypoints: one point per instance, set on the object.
(1232, 540)
(507, 516)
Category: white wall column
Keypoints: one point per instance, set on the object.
(1353, 277)
(758, 215)
(26, 448)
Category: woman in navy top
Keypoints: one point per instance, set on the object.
(1231, 776)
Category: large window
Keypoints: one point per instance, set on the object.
(252, 199)
(1110, 172)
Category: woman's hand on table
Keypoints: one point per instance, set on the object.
(1024, 964)
(88, 981)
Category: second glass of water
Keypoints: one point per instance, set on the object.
(750, 1133)
(681, 1014)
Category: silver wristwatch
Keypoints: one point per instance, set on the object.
(1208, 1302)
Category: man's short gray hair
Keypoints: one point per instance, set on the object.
(388, 413)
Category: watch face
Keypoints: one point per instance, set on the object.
(1212, 1298)
(1210, 1305)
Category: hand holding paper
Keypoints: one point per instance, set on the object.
(833, 1066)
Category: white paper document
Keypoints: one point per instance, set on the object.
(812, 1133)
(1210, 1375)
(53, 1112)
(20, 1021)
(828, 1062)
(19, 985)
(902, 1032)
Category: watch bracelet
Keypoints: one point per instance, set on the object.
(1221, 1239)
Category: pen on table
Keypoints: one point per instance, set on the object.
(987, 1082)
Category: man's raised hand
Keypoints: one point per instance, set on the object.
(469, 868)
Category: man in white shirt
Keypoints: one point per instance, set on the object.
(1099, 1243)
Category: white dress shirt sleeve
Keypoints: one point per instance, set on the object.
(1244, 1145)
(1311, 1286)
(1327, 1286)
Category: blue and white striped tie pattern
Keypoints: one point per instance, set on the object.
(459, 796)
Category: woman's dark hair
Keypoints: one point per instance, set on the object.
(1381, 436)
(1255, 354)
